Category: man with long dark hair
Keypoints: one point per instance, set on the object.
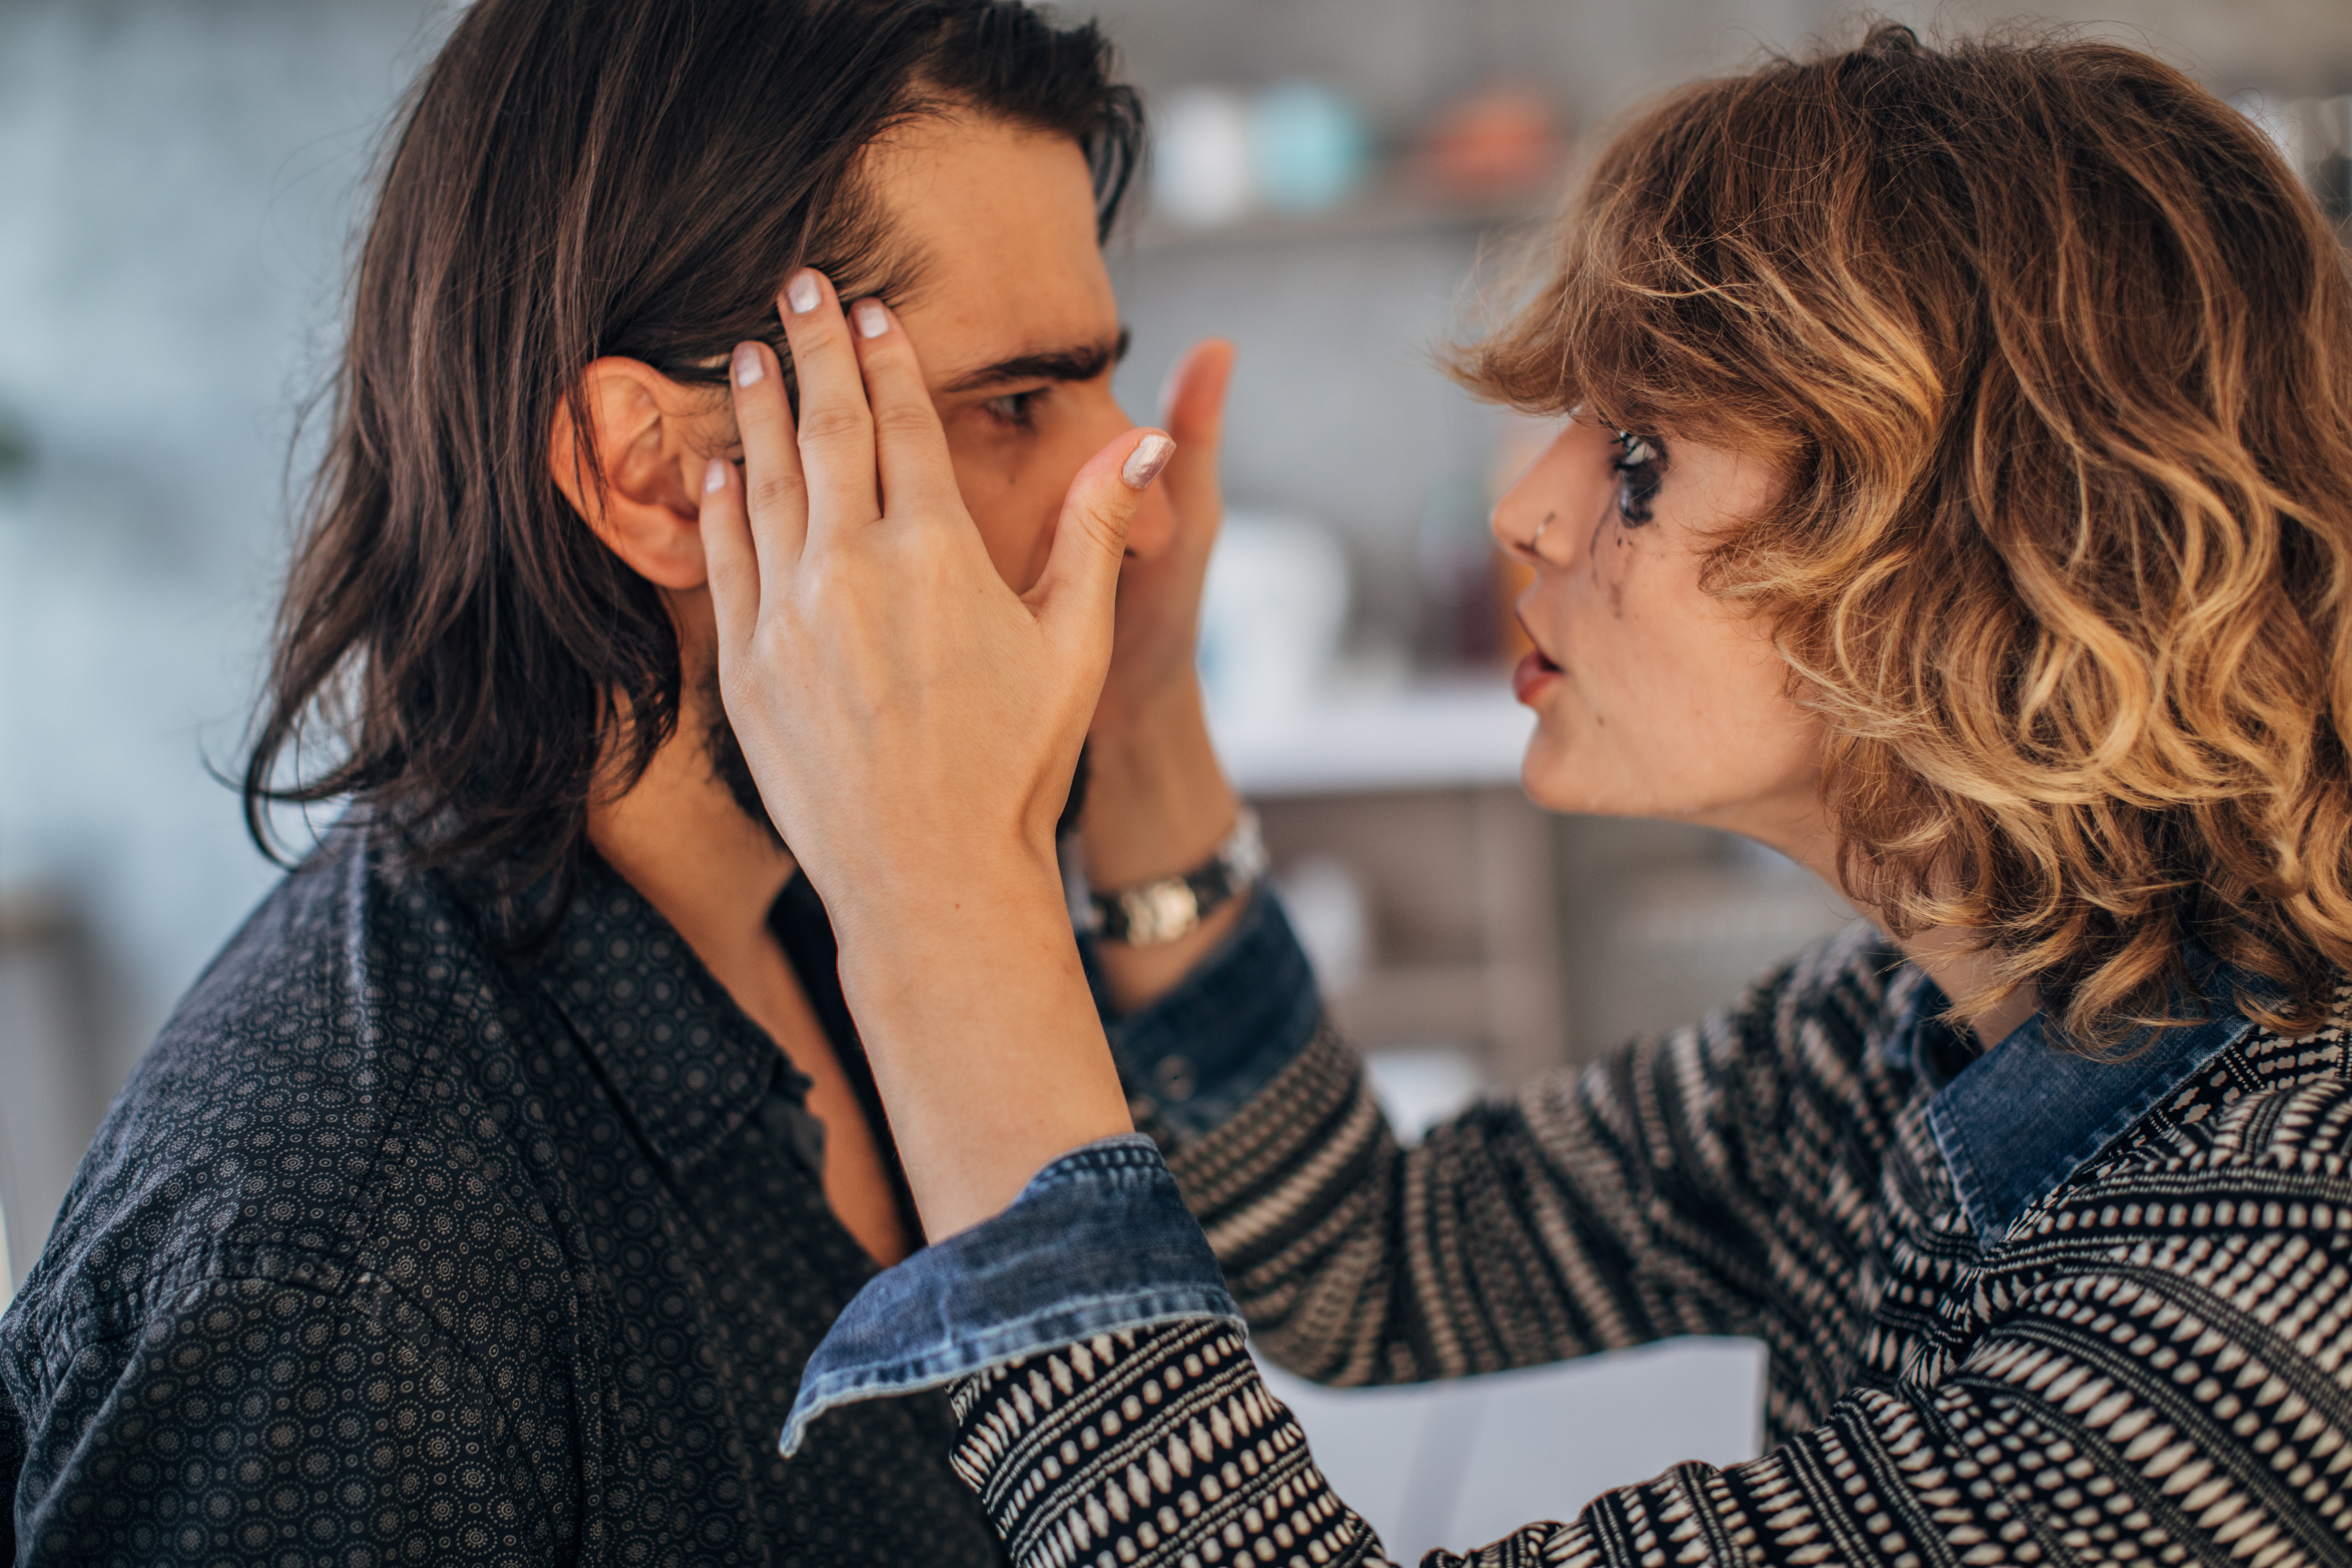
(486, 1197)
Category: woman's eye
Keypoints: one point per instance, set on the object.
(1640, 468)
(1015, 408)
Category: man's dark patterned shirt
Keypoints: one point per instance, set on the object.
(405, 1244)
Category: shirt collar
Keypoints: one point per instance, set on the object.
(2024, 1116)
(685, 1060)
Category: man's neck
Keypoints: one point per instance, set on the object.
(678, 837)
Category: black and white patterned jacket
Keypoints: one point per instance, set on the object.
(2020, 1308)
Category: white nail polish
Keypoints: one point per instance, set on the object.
(714, 478)
(747, 365)
(803, 293)
(1143, 464)
(872, 320)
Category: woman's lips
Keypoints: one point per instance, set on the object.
(1533, 674)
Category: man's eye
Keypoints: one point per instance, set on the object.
(1640, 468)
(1015, 408)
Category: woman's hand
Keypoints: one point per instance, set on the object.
(913, 725)
(1156, 637)
(1157, 803)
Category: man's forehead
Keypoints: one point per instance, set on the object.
(999, 222)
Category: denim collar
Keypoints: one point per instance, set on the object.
(2021, 1118)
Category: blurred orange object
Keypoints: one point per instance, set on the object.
(1503, 140)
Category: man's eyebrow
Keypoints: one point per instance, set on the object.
(1083, 362)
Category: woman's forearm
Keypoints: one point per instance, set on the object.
(983, 1035)
(1157, 803)
(1214, 1469)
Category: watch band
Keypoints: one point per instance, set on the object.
(1174, 907)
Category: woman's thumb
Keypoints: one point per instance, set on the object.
(1081, 575)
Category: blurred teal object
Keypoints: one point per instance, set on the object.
(1310, 146)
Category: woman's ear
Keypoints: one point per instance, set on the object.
(647, 433)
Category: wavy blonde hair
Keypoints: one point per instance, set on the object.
(2055, 354)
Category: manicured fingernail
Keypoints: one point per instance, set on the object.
(872, 320)
(746, 364)
(714, 478)
(1143, 464)
(803, 292)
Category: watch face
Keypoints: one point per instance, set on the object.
(1162, 911)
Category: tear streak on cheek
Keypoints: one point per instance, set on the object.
(1614, 582)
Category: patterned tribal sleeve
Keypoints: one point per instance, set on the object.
(1157, 1445)
(2157, 1374)
(1704, 1182)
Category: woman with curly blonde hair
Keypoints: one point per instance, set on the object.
(1954, 491)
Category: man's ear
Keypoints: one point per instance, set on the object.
(645, 428)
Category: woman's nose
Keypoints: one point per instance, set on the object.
(1517, 521)
(1531, 522)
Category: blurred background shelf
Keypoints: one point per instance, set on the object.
(1459, 918)
(1464, 732)
(1381, 216)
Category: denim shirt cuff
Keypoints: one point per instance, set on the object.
(1197, 1055)
(1100, 1241)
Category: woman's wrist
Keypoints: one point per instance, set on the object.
(1158, 801)
(968, 998)
(1158, 805)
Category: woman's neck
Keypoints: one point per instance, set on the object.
(1801, 830)
(1961, 969)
